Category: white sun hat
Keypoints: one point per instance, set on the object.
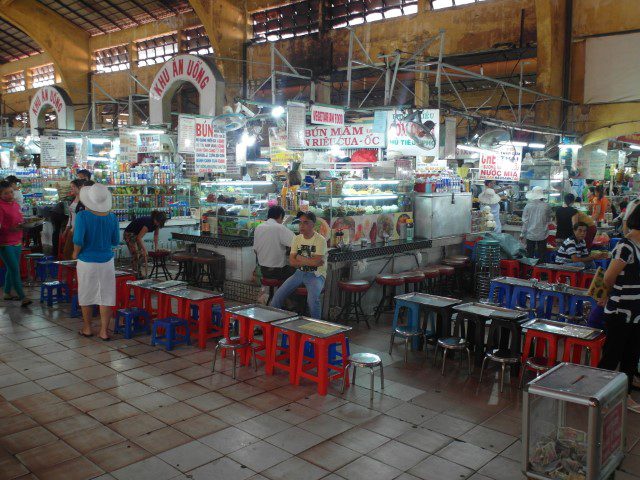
(96, 197)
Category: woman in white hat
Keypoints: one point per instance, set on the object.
(95, 234)
(535, 224)
(492, 199)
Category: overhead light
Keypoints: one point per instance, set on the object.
(570, 145)
(634, 147)
(514, 144)
(277, 112)
(247, 139)
(148, 131)
(536, 145)
(471, 148)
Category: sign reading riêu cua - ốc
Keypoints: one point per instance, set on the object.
(354, 135)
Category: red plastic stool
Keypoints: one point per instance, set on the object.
(204, 324)
(67, 274)
(510, 268)
(412, 280)
(586, 279)
(272, 283)
(573, 349)
(431, 277)
(545, 354)
(391, 282)
(283, 357)
(123, 293)
(538, 272)
(573, 277)
(142, 298)
(23, 262)
(325, 371)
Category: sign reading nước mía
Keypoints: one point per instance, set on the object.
(504, 164)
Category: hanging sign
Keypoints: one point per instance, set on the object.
(504, 164)
(128, 145)
(186, 134)
(296, 121)
(592, 159)
(210, 148)
(450, 137)
(81, 151)
(199, 72)
(278, 152)
(353, 135)
(56, 98)
(322, 115)
(398, 139)
(149, 143)
(53, 152)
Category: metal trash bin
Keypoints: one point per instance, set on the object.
(573, 423)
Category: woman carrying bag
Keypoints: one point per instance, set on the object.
(96, 233)
(622, 307)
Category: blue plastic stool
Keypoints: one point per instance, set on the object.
(519, 296)
(170, 338)
(75, 307)
(413, 318)
(216, 314)
(503, 292)
(602, 263)
(134, 320)
(576, 302)
(613, 243)
(54, 292)
(551, 256)
(43, 269)
(546, 300)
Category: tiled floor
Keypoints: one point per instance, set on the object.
(75, 408)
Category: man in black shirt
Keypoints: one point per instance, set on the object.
(563, 218)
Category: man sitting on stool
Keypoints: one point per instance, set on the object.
(574, 253)
(308, 250)
(270, 242)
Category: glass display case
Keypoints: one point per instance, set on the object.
(574, 423)
(235, 207)
(549, 176)
(134, 200)
(361, 210)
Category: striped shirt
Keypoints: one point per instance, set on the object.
(624, 297)
(569, 248)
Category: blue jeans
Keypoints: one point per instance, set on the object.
(311, 281)
(588, 265)
(10, 255)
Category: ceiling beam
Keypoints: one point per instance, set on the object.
(90, 22)
(122, 12)
(145, 9)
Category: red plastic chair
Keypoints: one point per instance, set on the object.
(573, 350)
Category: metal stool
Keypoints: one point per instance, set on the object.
(159, 259)
(431, 276)
(354, 290)
(272, 283)
(503, 343)
(409, 335)
(391, 281)
(415, 279)
(32, 260)
(233, 344)
(363, 360)
(457, 342)
(185, 266)
(445, 283)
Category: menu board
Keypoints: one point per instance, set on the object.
(149, 143)
(186, 134)
(53, 152)
(296, 121)
(128, 145)
(210, 148)
(503, 163)
(278, 152)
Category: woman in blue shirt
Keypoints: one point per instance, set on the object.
(95, 234)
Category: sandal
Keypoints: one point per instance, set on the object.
(108, 339)
(86, 335)
(26, 302)
(11, 297)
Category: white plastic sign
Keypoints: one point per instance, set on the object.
(53, 152)
(356, 135)
(322, 115)
(210, 148)
(504, 164)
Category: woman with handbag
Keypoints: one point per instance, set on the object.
(622, 307)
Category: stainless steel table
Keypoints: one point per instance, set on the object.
(439, 306)
(311, 326)
(562, 329)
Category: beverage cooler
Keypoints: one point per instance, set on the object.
(573, 423)
(442, 214)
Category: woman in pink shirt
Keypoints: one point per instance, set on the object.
(11, 243)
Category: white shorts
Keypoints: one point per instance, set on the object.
(96, 283)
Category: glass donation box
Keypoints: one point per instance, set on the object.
(573, 423)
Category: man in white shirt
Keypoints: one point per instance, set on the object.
(270, 242)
